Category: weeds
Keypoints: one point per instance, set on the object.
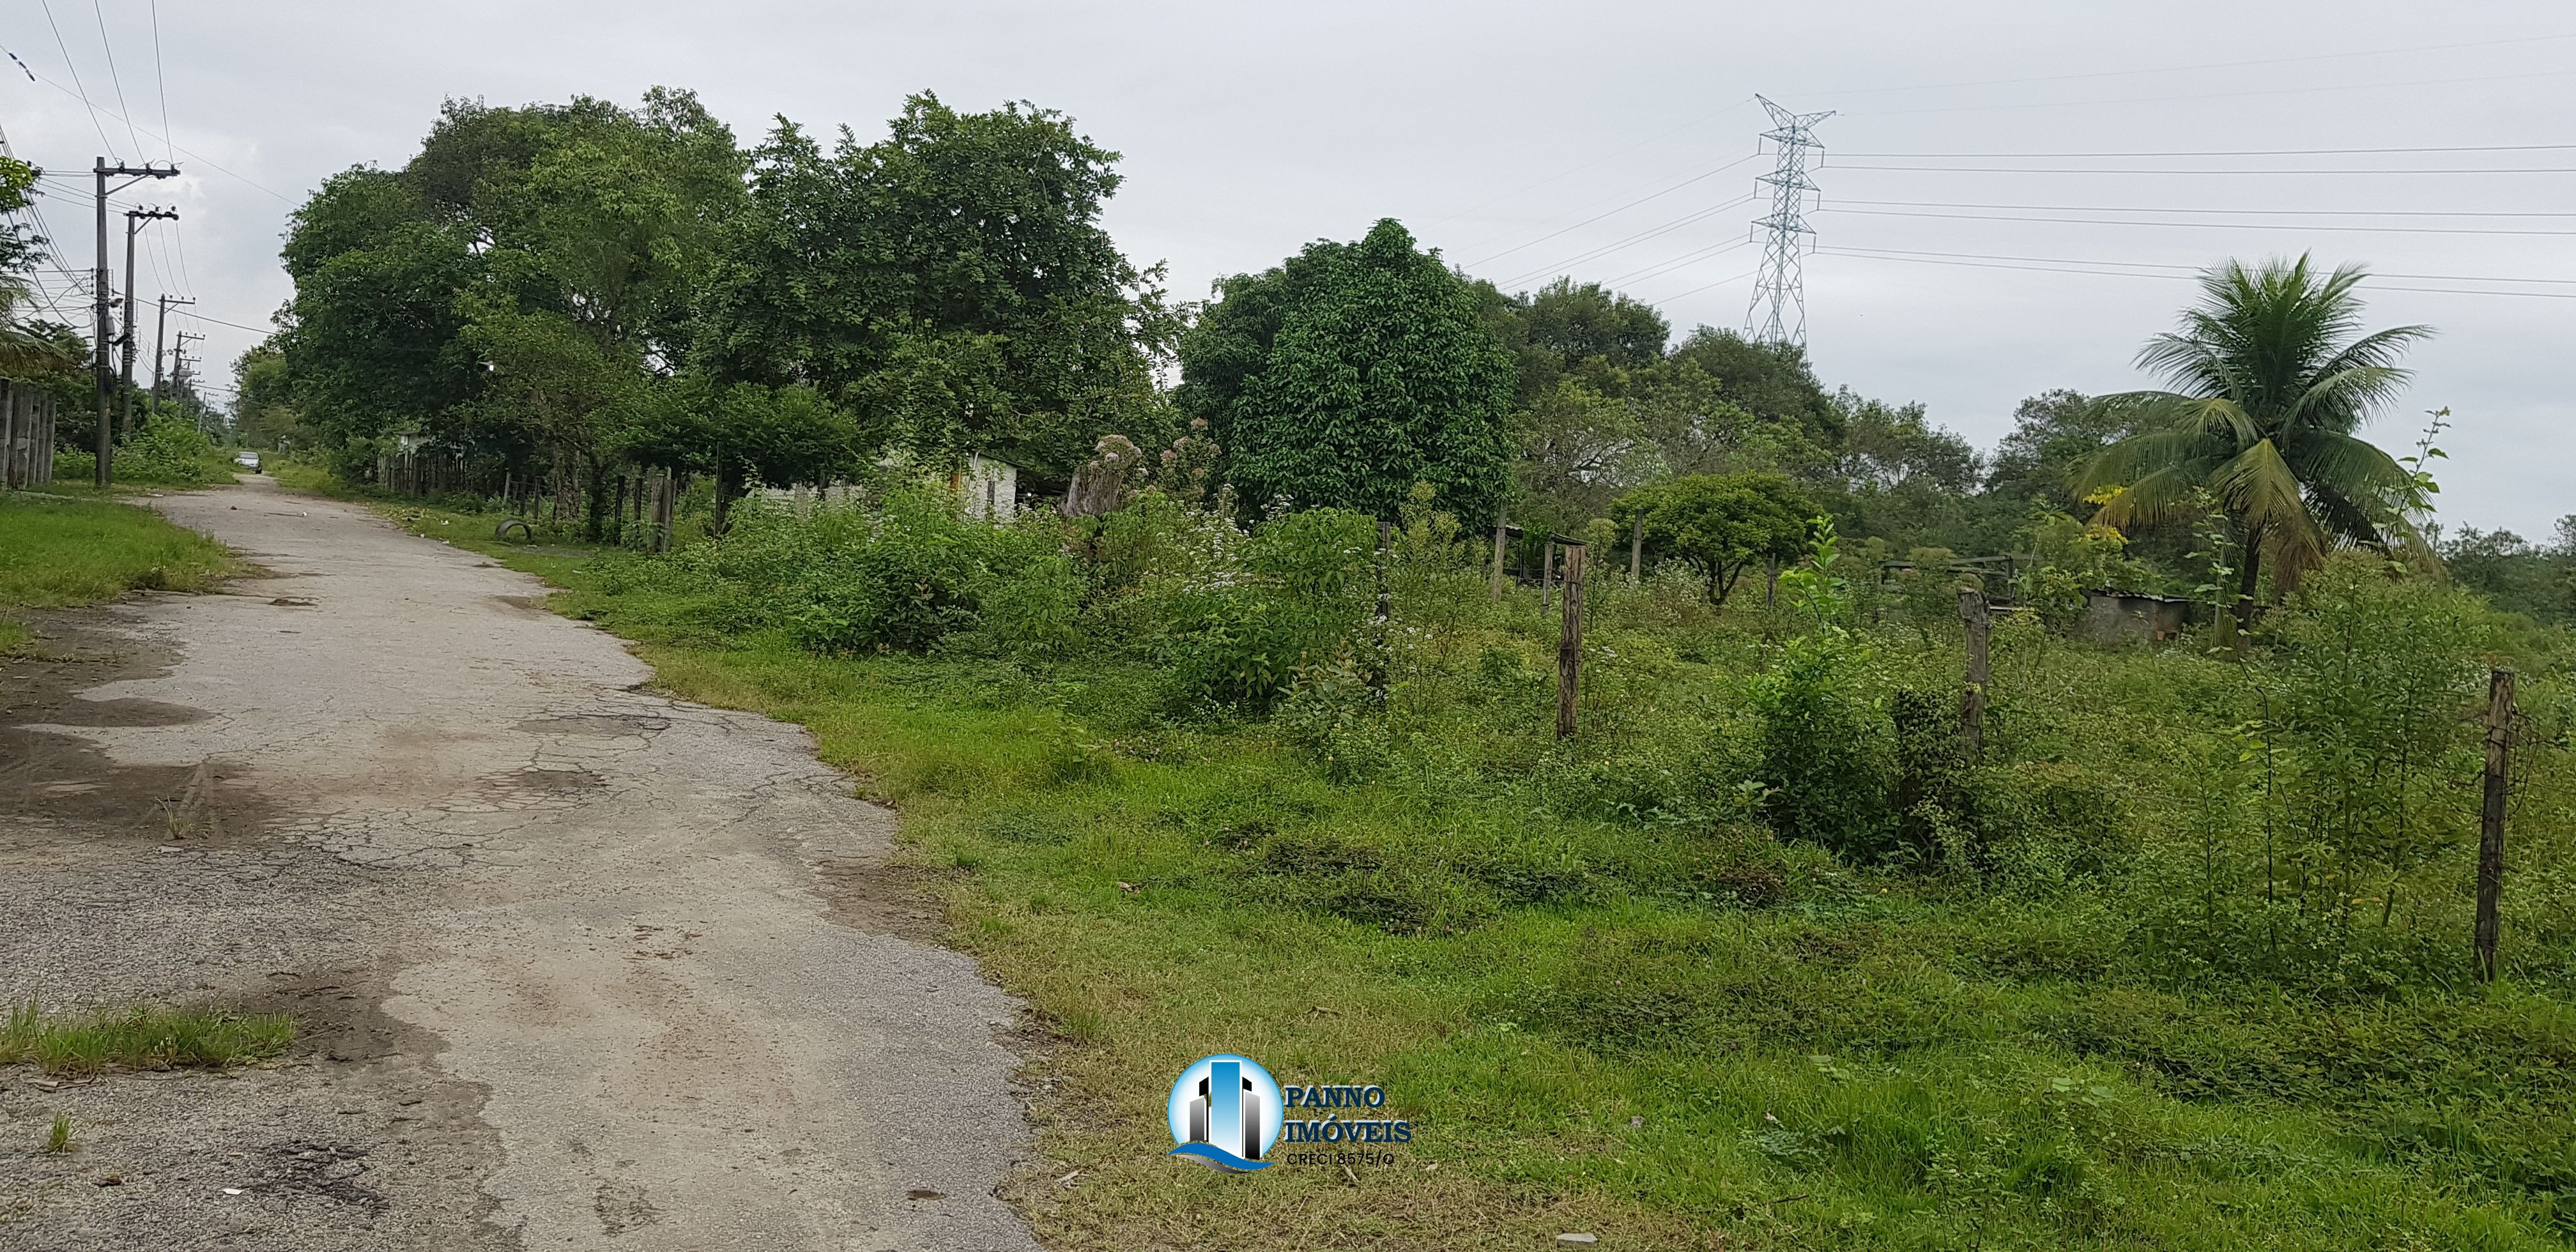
(59, 1138)
(140, 1038)
(1205, 804)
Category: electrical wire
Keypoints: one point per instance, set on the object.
(1661, 268)
(2224, 152)
(256, 330)
(1719, 283)
(78, 91)
(2114, 221)
(1567, 173)
(2188, 69)
(2220, 95)
(2129, 269)
(2114, 208)
(114, 80)
(1621, 209)
(174, 145)
(1629, 241)
(2280, 173)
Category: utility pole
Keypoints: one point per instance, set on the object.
(134, 219)
(102, 328)
(1781, 286)
(161, 339)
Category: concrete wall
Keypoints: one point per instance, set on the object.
(2119, 617)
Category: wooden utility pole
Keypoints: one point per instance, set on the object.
(1569, 644)
(1502, 525)
(161, 339)
(127, 343)
(1636, 548)
(2491, 818)
(103, 324)
(1972, 702)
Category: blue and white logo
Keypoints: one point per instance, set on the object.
(1225, 1112)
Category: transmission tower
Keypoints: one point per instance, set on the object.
(1779, 312)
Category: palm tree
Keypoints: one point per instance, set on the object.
(2271, 379)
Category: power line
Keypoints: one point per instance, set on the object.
(2113, 221)
(1629, 241)
(1621, 209)
(1589, 164)
(1723, 282)
(2222, 152)
(257, 330)
(173, 144)
(2129, 269)
(1693, 257)
(113, 79)
(2186, 69)
(2119, 208)
(82, 93)
(2281, 173)
(160, 80)
(2221, 95)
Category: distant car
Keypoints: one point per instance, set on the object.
(246, 460)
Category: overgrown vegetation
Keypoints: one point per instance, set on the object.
(2180, 961)
(142, 1037)
(2174, 954)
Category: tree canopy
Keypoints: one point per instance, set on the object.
(2272, 377)
(1720, 524)
(1344, 385)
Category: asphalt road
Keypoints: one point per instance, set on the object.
(578, 966)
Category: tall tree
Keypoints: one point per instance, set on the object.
(1379, 375)
(2272, 378)
(951, 282)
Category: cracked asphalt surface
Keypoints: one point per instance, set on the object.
(572, 962)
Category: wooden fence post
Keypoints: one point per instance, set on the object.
(1501, 524)
(1636, 548)
(2491, 818)
(1569, 643)
(1546, 575)
(1972, 702)
(10, 428)
(1381, 665)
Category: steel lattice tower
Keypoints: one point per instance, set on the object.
(1779, 312)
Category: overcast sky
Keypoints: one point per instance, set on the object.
(1507, 134)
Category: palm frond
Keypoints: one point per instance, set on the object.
(2156, 497)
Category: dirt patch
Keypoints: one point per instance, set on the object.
(51, 775)
(899, 900)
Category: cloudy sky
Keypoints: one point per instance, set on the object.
(2013, 194)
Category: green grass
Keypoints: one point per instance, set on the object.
(71, 547)
(68, 546)
(1673, 1035)
(58, 1138)
(140, 1038)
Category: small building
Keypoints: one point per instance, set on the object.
(2114, 616)
(989, 485)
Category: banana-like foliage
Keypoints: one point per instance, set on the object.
(2271, 377)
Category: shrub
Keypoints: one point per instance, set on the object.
(1237, 632)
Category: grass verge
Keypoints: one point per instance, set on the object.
(1665, 1039)
(70, 546)
(140, 1038)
